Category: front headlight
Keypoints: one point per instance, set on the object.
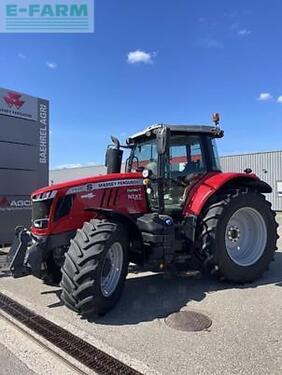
(146, 173)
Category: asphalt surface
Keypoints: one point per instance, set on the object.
(10, 364)
(245, 336)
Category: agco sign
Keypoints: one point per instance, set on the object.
(14, 204)
(20, 203)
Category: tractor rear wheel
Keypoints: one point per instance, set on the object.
(95, 268)
(238, 236)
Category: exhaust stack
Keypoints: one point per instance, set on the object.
(114, 157)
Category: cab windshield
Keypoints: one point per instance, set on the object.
(144, 156)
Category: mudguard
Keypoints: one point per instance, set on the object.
(121, 217)
(213, 182)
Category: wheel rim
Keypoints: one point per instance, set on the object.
(111, 269)
(246, 236)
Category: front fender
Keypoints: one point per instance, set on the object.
(213, 182)
(112, 214)
(134, 234)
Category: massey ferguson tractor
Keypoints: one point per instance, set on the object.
(172, 209)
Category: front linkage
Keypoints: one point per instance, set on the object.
(26, 254)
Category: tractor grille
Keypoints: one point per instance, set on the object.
(40, 212)
(82, 351)
(41, 205)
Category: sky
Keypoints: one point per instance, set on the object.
(155, 61)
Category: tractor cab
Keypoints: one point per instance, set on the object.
(172, 159)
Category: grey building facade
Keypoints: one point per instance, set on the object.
(267, 165)
(24, 157)
(66, 174)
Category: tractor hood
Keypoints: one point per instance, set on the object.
(109, 180)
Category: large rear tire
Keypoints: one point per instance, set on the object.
(95, 268)
(238, 236)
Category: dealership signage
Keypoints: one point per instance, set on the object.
(15, 104)
(24, 157)
(8, 204)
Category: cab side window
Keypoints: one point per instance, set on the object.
(185, 156)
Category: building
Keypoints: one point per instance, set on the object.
(65, 174)
(267, 165)
(24, 157)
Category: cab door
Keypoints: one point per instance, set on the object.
(186, 164)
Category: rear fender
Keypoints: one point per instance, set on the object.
(136, 249)
(216, 182)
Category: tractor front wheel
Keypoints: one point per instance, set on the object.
(95, 268)
(238, 236)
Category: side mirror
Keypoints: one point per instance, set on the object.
(162, 140)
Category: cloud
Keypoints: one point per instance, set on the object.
(76, 165)
(139, 56)
(279, 99)
(244, 32)
(264, 97)
(239, 31)
(51, 65)
(209, 42)
(65, 166)
(21, 56)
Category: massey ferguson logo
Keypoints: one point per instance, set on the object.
(4, 202)
(14, 100)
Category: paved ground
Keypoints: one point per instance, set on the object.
(245, 337)
(19, 354)
(10, 364)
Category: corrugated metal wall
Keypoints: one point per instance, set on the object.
(267, 165)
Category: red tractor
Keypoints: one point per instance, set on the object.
(173, 209)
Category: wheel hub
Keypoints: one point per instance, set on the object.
(233, 233)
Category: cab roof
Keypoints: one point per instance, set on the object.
(213, 131)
